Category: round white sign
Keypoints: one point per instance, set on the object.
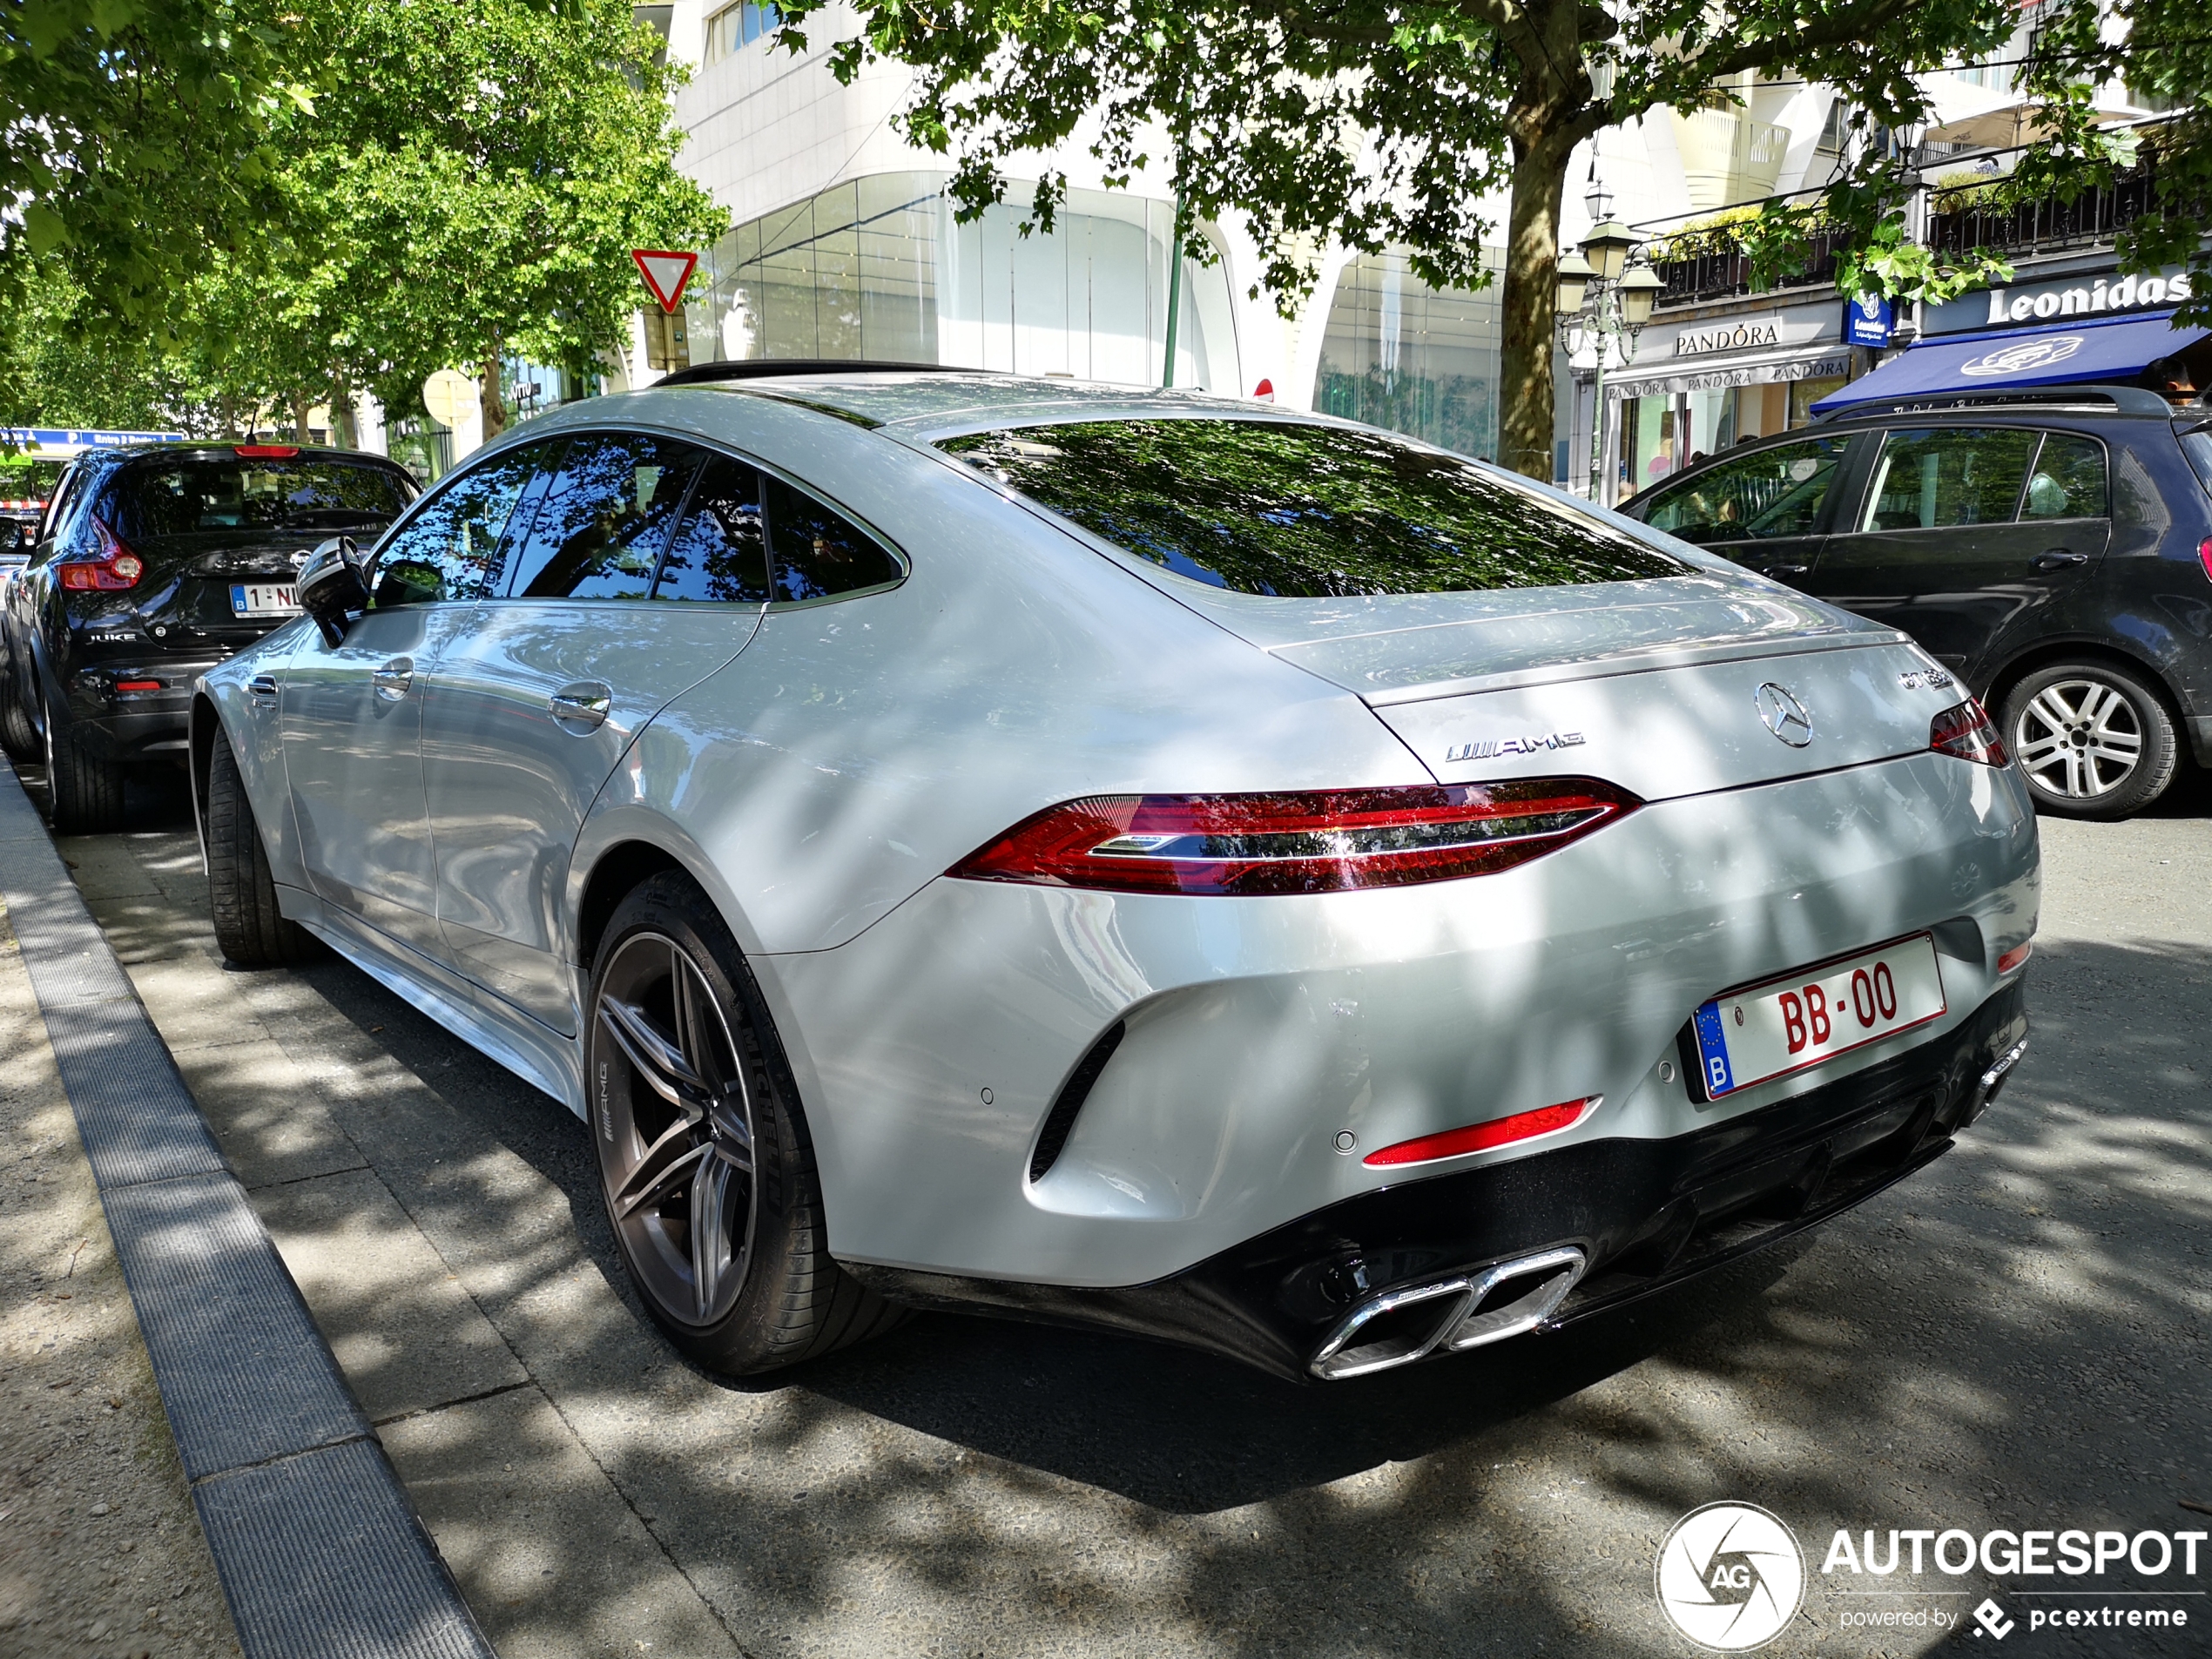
(1731, 1576)
(446, 394)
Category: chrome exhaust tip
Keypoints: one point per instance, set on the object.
(1467, 1310)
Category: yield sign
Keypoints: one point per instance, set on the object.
(665, 273)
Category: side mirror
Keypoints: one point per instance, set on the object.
(12, 537)
(330, 588)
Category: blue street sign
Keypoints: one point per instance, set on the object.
(60, 442)
(1867, 321)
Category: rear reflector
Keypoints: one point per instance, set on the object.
(2204, 555)
(1966, 731)
(2014, 957)
(1480, 1137)
(1315, 841)
(137, 686)
(267, 451)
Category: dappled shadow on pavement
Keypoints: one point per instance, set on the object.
(2013, 1338)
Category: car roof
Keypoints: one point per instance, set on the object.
(237, 451)
(927, 400)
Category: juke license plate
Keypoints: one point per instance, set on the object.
(258, 599)
(1786, 1024)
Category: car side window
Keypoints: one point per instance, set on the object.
(720, 553)
(1947, 477)
(1773, 493)
(450, 549)
(2068, 479)
(818, 553)
(607, 510)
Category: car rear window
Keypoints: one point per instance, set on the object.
(196, 495)
(1307, 512)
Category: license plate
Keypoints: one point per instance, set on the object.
(1784, 1025)
(252, 599)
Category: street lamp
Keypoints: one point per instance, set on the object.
(1602, 297)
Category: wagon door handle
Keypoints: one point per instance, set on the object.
(2058, 558)
(392, 680)
(582, 706)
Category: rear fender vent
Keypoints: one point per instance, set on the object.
(1060, 1122)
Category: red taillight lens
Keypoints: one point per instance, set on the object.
(112, 569)
(2204, 555)
(1967, 731)
(1316, 842)
(2014, 957)
(267, 451)
(1480, 1137)
(137, 686)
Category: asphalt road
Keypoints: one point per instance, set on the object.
(2014, 1339)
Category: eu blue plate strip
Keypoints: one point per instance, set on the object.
(1712, 1051)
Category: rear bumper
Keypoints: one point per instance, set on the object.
(129, 727)
(1644, 1215)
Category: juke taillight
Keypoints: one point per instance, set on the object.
(1329, 840)
(1965, 730)
(111, 568)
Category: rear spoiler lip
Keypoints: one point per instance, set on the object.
(1657, 660)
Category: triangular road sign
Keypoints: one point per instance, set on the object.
(665, 273)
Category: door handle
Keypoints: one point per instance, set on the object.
(1787, 569)
(262, 686)
(583, 705)
(2058, 558)
(392, 680)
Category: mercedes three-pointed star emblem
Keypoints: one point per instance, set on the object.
(1785, 716)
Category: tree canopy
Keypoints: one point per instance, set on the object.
(1372, 123)
(440, 183)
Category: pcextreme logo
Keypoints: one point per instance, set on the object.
(1731, 1576)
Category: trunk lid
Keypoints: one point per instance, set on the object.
(1659, 686)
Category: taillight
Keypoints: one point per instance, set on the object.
(1314, 842)
(1966, 731)
(2204, 555)
(113, 568)
(1480, 1137)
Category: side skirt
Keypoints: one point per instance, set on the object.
(538, 1054)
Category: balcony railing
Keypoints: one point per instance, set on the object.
(2047, 224)
(1725, 271)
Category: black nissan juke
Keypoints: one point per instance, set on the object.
(151, 565)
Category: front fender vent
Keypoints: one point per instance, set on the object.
(1060, 1122)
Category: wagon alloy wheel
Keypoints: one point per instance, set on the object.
(678, 1132)
(2092, 739)
(2080, 738)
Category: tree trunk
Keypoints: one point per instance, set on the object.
(1526, 396)
(487, 397)
(299, 408)
(345, 427)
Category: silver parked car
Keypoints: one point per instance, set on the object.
(1164, 865)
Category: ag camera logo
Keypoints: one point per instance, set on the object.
(1731, 1576)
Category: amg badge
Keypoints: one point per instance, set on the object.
(1490, 747)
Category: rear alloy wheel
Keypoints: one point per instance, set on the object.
(84, 791)
(2093, 740)
(705, 1165)
(241, 893)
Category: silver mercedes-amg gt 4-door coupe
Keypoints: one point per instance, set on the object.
(1165, 864)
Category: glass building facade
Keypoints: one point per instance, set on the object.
(1399, 354)
(879, 269)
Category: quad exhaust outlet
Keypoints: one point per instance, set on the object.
(1450, 1315)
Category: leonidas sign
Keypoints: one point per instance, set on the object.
(1731, 334)
(2081, 296)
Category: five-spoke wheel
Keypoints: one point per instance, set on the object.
(705, 1161)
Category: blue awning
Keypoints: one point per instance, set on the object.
(2104, 348)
